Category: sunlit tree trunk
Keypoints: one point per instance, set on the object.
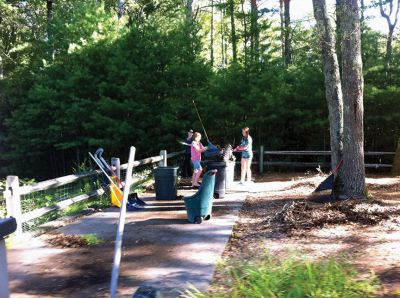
(223, 55)
(254, 30)
(212, 34)
(233, 30)
(49, 6)
(288, 42)
(120, 8)
(282, 18)
(333, 86)
(245, 34)
(353, 85)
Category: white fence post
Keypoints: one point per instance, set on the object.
(261, 159)
(163, 162)
(13, 201)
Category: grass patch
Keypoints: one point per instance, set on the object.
(293, 278)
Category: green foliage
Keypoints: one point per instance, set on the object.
(84, 79)
(295, 278)
(91, 239)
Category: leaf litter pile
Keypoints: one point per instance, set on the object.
(298, 215)
(68, 241)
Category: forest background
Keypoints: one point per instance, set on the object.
(77, 75)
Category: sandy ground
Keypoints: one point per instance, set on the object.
(369, 247)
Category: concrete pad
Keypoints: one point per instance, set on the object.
(160, 248)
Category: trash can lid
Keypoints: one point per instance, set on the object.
(7, 226)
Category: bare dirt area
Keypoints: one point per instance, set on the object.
(286, 222)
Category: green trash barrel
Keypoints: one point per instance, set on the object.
(165, 182)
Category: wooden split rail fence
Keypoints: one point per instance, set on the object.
(14, 191)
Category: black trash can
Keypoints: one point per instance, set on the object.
(220, 179)
(165, 182)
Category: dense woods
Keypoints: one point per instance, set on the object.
(74, 76)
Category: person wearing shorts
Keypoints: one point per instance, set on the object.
(196, 149)
(246, 147)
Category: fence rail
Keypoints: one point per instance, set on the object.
(14, 191)
(262, 153)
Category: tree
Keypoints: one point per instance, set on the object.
(255, 38)
(233, 30)
(333, 86)
(287, 33)
(353, 87)
(396, 162)
(391, 26)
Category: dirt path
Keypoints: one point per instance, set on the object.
(368, 247)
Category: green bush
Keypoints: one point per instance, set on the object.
(295, 278)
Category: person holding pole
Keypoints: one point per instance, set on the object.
(187, 167)
(246, 147)
(196, 149)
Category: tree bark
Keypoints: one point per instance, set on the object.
(333, 86)
(288, 42)
(282, 18)
(120, 9)
(245, 35)
(254, 31)
(223, 54)
(49, 6)
(233, 30)
(353, 85)
(212, 34)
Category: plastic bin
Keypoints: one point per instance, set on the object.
(199, 205)
(165, 182)
(230, 174)
(220, 179)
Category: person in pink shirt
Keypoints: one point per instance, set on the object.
(196, 149)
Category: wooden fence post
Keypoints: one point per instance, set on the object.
(163, 162)
(13, 201)
(261, 159)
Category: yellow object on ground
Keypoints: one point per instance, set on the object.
(116, 193)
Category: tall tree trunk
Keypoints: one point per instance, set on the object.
(339, 31)
(391, 27)
(49, 6)
(282, 18)
(233, 30)
(120, 8)
(333, 86)
(189, 11)
(223, 54)
(245, 35)
(212, 34)
(254, 30)
(353, 85)
(288, 42)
